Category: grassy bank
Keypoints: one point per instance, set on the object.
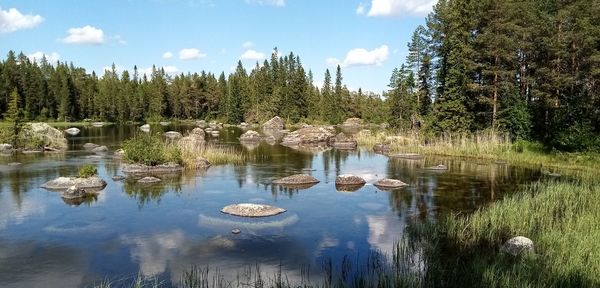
(483, 146)
(560, 218)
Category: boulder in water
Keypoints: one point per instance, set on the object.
(72, 131)
(252, 210)
(343, 141)
(349, 180)
(62, 183)
(308, 135)
(276, 123)
(250, 136)
(389, 184)
(296, 179)
(100, 149)
(53, 138)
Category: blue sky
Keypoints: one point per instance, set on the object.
(367, 37)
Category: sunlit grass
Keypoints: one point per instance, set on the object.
(214, 154)
(484, 145)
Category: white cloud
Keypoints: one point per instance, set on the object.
(120, 40)
(12, 20)
(332, 62)
(394, 8)
(252, 55)
(37, 57)
(190, 54)
(247, 45)
(278, 3)
(360, 10)
(85, 35)
(167, 55)
(363, 57)
(170, 69)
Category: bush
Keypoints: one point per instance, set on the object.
(87, 170)
(148, 149)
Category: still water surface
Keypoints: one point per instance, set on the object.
(160, 231)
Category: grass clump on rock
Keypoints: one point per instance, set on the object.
(148, 149)
(87, 170)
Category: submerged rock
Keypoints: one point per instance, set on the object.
(440, 167)
(149, 180)
(276, 123)
(118, 177)
(389, 184)
(62, 183)
(90, 146)
(409, 156)
(141, 168)
(518, 245)
(72, 131)
(250, 136)
(343, 141)
(296, 179)
(173, 135)
(100, 149)
(252, 210)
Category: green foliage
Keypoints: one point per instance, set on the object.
(148, 149)
(560, 218)
(87, 170)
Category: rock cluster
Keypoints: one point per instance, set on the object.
(250, 136)
(308, 135)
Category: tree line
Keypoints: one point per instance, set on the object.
(527, 67)
(278, 86)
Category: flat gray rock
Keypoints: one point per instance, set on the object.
(389, 184)
(149, 180)
(90, 146)
(141, 168)
(410, 156)
(252, 210)
(117, 177)
(296, 180)
(62, 183)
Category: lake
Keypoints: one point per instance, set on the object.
(160, 231)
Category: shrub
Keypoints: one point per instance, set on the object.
(148, 149)
(87, 170)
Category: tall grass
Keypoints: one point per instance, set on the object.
(483, 145)
(562, 220)
(214, 154)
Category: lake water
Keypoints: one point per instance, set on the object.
(160, 231)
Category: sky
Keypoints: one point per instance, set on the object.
(367, 38)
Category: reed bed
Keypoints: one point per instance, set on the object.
(483, 145)
(216, 155)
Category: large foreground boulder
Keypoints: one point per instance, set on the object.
(252, 210)
(250, 136)
(62, 183)
(53, 138)
(343, 141)
(308, 135)
(518, 245)
(146, 169)
(276, 123)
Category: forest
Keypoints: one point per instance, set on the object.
(529, 69)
